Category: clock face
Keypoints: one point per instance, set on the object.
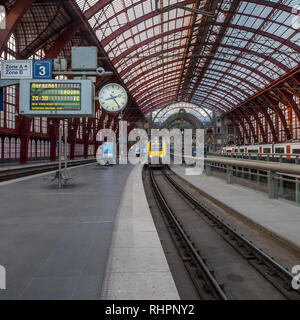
(113, 97)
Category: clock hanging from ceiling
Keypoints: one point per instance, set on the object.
(113, 98)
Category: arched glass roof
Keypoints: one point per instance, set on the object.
(217, 62)
(160, 115)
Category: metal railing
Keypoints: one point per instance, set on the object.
(278, 184)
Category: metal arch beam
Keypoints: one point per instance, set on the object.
(102, 52)
(221, 90)
(240, 71)
(129, 83)
(137, 63)
(246, 117)
(148, 82)
(192, 104)
(158, 97)
(143, 94)
(262, 33)
(201, 39)
(242, 124)
(144, 73)
(259, 44)
(145, 30)
(288, 100)
(159, 76)
(148, 41)
(271, 4)
(158, 93)
(187, 117)
(274, 62)
(260, 55)
(173, 79)
(42, 37)
(157, 84)
(262, 75)
(212, 98)
(257, 119)
(178, 6)
(264, 112)
(224, 84)
(162, 109)
(63, 39)
(134, 23)
(278, 111)
(212, 106)
(293, 74)
(13, 17)
(96, 8)
(149, 106)
(235, 77)
(188, 110)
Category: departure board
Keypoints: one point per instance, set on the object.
(60, 96)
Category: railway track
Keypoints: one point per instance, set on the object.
(191, 224)
(10, 174)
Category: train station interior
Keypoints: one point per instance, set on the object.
(150, 150)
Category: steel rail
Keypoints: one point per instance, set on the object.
(10, 174)
(216, 289)
(275, 268)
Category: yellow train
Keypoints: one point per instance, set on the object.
(156, 148)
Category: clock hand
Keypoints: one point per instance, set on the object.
(115, 100)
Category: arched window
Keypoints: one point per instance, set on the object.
(29, 149)
(47, 152)
(33, 149)
(38, 149)
(18, 148)
(6, 148)
(13, 148)
(42, 149)
(8, 115)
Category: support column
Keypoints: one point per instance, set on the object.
(24, 132)
(53, 131)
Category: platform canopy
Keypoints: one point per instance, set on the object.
(174, 55)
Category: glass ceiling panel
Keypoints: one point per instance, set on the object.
(160, 115)
(153, 52)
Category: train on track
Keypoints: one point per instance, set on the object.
(287, 151)
(156, 149)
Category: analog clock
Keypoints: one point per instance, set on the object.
(113, 97)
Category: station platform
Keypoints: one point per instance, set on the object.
(277, 218)
(92, 239)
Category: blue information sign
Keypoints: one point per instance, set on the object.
(42, 69)
(1, 100)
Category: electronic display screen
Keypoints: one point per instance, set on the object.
(55, 96)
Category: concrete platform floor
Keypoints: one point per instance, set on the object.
(278, 218)
(137, 268)
(55, 243)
